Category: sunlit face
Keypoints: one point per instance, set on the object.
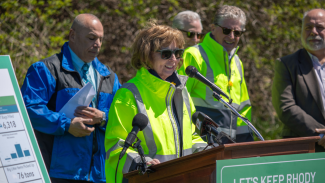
(229, 41)
(87, 41)
(194, 26)
(313, 31)
(165, 67)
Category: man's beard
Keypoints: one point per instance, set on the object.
(313, 46)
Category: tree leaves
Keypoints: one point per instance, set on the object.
(31, 30)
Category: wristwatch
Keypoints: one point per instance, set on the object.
(103, 122)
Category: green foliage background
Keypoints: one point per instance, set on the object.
(31, 30)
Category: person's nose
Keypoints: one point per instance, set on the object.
(195, 39)
(314, 31)
(232, 35)
(98, 43)
(173, 58)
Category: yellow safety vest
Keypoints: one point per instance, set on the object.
(161, 140)
(211, 60)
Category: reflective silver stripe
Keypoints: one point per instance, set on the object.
(163, 158)
(169, 99)
(242, 129)
(209, 93)
(188, 151)
(231, 133)
(128, 162)
(187, 102)
(244, 104)
(147, 132)
(137, 97)
(197, 147)
(239, 68)
(208, 103)
(120, 143)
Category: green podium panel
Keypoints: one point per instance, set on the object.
(297, 168)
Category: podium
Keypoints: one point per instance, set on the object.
(201, 167)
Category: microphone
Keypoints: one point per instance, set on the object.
(191, 71)
(206, 125)
(139, 122)
(202, 122)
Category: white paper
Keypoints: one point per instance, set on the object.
(82, 98)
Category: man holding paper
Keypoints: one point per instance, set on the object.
(72, 147)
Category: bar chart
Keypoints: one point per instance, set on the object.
(19, 152)
(14, 151)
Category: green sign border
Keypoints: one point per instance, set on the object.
(5, 63)
(222, 164)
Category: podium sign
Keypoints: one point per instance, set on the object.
(20, 157)
(306, 168)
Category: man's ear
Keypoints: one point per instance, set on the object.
(72, 35)
(212, 27)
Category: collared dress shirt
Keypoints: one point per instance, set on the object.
(320, 73)
(77, 64)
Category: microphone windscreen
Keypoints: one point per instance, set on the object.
(194, 116)
(190, 71)
(140, 120)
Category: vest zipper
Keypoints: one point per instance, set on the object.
(170, 95)
(227, 63)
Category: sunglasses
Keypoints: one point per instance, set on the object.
(192, 34)
(227, 31)
(167, 53)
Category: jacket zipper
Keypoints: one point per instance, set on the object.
(94, 135)
(169, 99)
(99, 87)
(229, 77)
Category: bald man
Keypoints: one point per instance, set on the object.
(72, 148)
(298, 91)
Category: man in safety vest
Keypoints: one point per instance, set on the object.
(216, 59)
(189, 23)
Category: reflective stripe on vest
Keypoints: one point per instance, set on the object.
(147, 132)
(169, 101)
(209, 101)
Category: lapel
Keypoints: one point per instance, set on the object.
(309, 75)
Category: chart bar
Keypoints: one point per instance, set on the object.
(19, 151)
(13, 155)
(26, 152)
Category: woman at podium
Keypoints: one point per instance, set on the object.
(158, 92)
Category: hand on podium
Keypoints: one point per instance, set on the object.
(153, 162)
(321, 141)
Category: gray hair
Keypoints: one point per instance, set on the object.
(225, 12)
(185, 16)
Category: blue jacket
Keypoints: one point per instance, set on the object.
(48, 86)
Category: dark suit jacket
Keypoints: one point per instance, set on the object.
(296, 96)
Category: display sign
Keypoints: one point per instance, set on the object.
(20, 157)
(297, 168)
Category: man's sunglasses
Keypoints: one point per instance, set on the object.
(190, 34)
(227, 31)
(167, 53)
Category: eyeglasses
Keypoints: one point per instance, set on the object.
(167, 53)
(227, 31)
(190, 34)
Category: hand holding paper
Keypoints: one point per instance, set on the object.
(82, 98)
